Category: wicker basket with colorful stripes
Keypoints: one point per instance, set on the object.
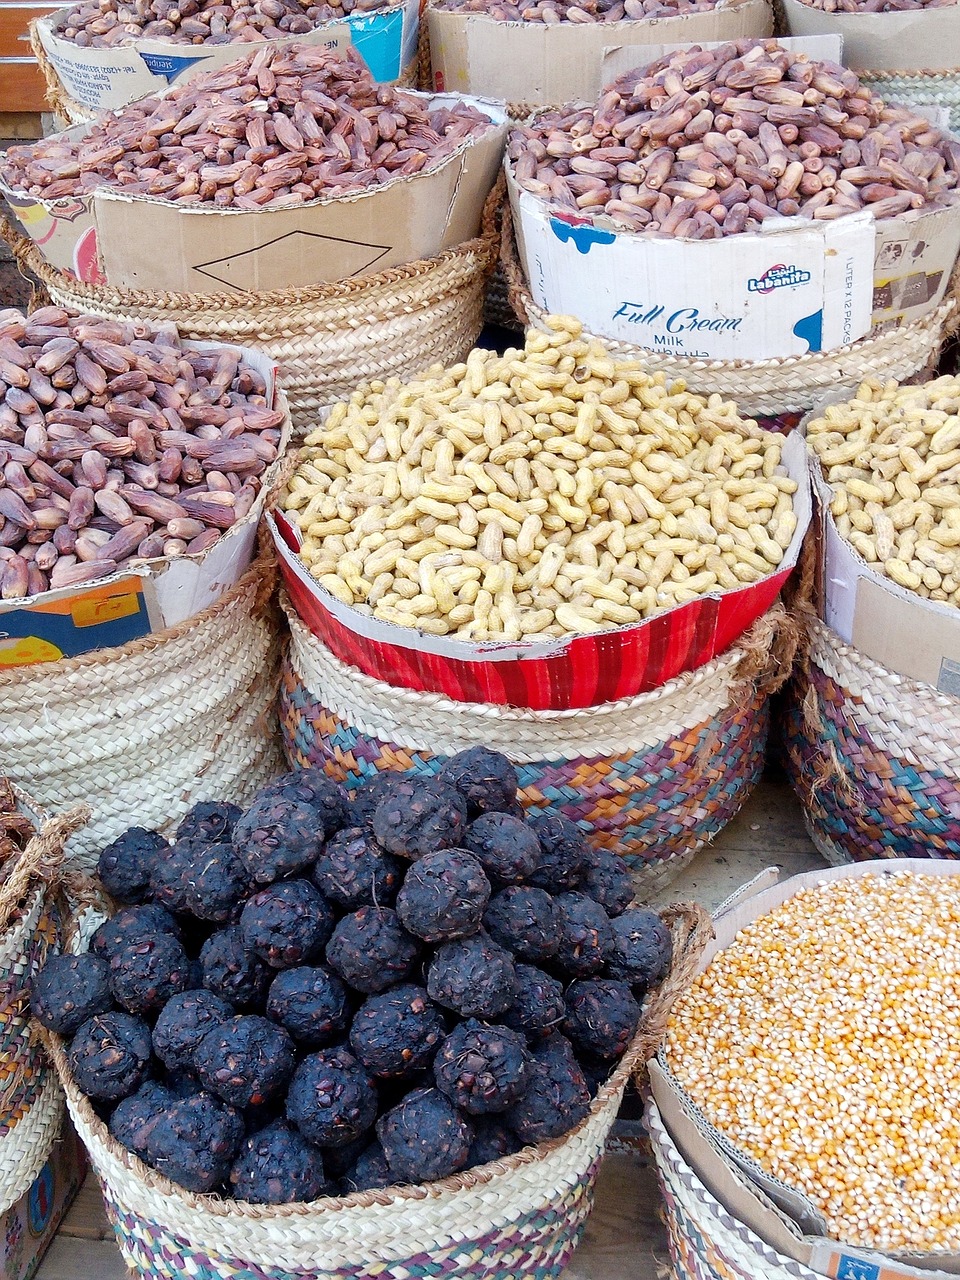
(652, 777)
(31, 1101)
(873, 755)
(518, 1217)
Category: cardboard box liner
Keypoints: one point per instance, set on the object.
(106, 79)
(537, 64)
(911, 635)
(125, 606)
(781, 1216)
(27, 1228)
(797, 286)
(910, 40)
(134, 242)
(556, 673)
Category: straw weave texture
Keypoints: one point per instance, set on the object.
(517, 1217)
(775, 386)
(652, 777)
(31, 1100)
(325, 339)
(919, 89)
(706, 1242)
(873, 755)
(144, 731)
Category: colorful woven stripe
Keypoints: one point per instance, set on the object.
(537, 1245)
(23, 1070)
(651, 806)
(860, 800)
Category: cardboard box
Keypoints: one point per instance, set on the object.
(915, 637)
(27, 1229)
(105, 79)
(795, 286)
(530, 62)
(781, 1216)
(125, 606)
(910, 40)
(549, 674)
(101, 238)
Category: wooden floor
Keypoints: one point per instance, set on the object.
(625, 1239)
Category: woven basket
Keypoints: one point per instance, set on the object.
(144, 731)
(326, 339)
(768, 388)
(919, 89)
(67, 112)
(706, 1241)
(651, 777)
(31, 1100)
(522, 1216)
(874, 756)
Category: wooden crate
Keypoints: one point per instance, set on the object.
(21, 84)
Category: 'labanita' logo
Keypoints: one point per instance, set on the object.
(778, 277)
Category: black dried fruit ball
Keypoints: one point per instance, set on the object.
(130, 923)
(183, 1022)
(486, 780)
(210, 820)
(314, 788)
(508, 849)
(482, 1068)
(371, 950)
(135, 1118)
(126, 865)
(473, 976)
(557, 1096)
(642, 949)
(602, 1016)
(538, 1008)
(110, 1056)
(586, 935)
(340, 1160)
(331, 1098)
(277, 837)
(195, 1142)
(217, 885)
(370, 1171)
(233, 972)
(396, 1034)
(492, 1140)
(246, 1060)
(424, 1138)
(311, 1004)
(148, 971)
(369, 794)
(277, 1165)
(524, 920)
(563, 853)
(443, 896)
(353, 871)
(287, 924)
(70, 989)
(418, 816)
(607, 880)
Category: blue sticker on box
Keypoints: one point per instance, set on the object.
(379, 41)
(167, 65)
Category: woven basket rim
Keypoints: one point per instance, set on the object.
(638, 1052)
(883, 676)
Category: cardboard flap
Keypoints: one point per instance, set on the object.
(897, 41)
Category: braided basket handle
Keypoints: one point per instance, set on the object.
(42, 859)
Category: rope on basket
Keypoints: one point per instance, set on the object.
(770, 387)
(41, 860)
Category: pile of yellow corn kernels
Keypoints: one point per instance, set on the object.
(891, 455)
(545, 492)
(824, 1041)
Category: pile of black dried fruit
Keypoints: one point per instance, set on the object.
(322, 995)
(126, 865)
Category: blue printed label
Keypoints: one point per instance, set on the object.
(778, 277)
(167, 65)
(856, 1269)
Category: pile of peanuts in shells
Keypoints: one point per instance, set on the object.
(119, 445)
(891, 455)
(553, 11)
(105, 23)
(544, 492)
(708, 143)
(285, 125)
